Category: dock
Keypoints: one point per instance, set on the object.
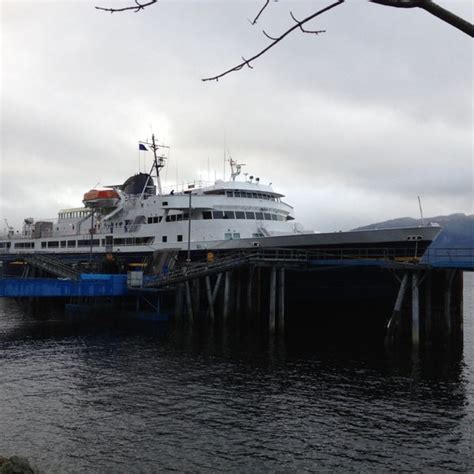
(400, 300)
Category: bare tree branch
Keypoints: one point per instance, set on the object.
(268, 36)
(139, 6)
(247, 63)
(315, 32)
(254, 21)
(434, 9)
(400, 3)
(277, 40)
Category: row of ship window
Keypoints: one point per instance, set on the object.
(262, 216)
(247, 194)
(83, 243)
(54, 244)
(73, 214)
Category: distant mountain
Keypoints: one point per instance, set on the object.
(458, 229)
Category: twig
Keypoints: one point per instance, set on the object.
(275, 41)
(315, 32)
(260, 12)
(268, 36)
(139, 6)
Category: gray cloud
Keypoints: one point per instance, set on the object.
(352, 124)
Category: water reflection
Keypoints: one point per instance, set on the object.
(111, 395)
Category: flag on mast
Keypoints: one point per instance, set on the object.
(142, 147)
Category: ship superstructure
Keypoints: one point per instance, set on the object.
(138, 218)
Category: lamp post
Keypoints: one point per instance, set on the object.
(91, 233)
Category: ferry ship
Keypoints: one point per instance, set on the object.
(134, 220)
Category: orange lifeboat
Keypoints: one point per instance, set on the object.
(101, 198)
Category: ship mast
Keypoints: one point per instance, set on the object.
(158, 162)
(235, 168)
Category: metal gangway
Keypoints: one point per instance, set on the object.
(52, 265)
(188, 271)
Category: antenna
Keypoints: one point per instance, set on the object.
(421, 212)
(225, 147)
(158, 163)
(235, 168)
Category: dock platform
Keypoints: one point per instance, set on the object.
(404, 297)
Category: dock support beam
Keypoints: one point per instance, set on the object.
(272, 308)
(447, 303)
(196, 296)
(179, 301)
(281, 302)
(226, 296)
(249, 289)
(415, 311)
(394, 320)
(210, 300)
(216, 288)
(189, 302)
(428, 309)
(238, 293)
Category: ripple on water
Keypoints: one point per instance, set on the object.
(102, 397)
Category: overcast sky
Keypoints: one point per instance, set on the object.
(352, 125)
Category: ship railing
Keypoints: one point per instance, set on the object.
(189, 186)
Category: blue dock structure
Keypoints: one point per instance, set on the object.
(87, 285)
(399, 300)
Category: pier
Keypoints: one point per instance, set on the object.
(396, 300)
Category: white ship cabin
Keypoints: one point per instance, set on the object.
(133, 217)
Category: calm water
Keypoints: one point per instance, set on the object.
(83, 396)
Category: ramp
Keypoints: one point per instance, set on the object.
(53, 266)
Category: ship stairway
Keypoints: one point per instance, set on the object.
(53, 265)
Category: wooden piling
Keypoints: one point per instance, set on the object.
(258, 305)
(196, 296)
(272, 307)
(216, 288)
(237, 292)
(249, 289)
(281, 301)
(210, 301)
(394, 321)
(189, 303)
(415, 311)
(179, 301)
(428, 311)
(226, 296)
(447, 302)
(460, 300)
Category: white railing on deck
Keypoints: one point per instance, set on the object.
(181, 187)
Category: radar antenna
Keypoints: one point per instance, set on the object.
(235, 168)
(10, 229)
